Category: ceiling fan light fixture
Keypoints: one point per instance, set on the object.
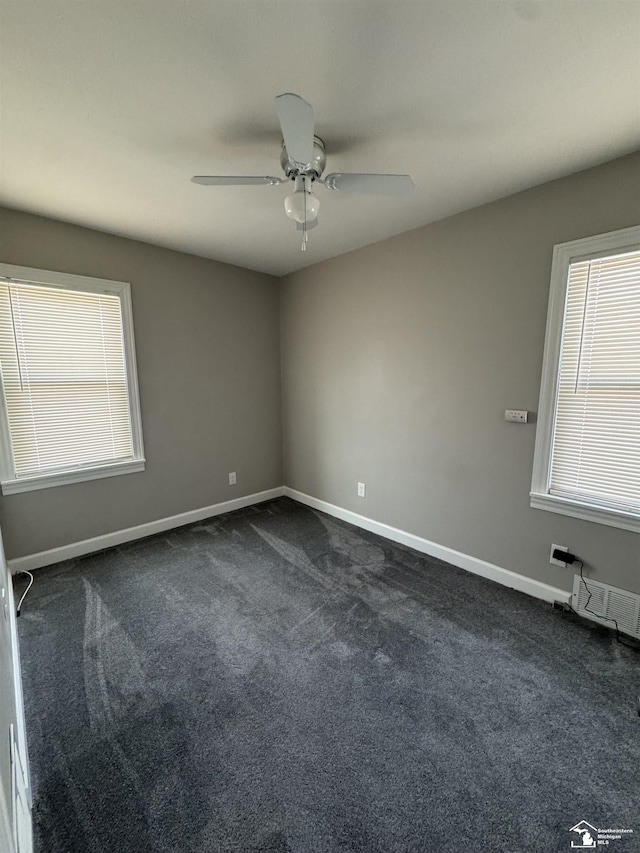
(295, 204)
(303, 160)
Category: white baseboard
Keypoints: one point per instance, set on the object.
(537, 589)
(109, 540)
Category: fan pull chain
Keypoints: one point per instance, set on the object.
(305, 237)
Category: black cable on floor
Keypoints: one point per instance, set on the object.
(607, 618)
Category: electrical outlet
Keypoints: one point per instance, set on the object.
(232, 478)
(362, 489)
(516, 416)
(553, 560)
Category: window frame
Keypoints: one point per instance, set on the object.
(564, 254)
(57, 280)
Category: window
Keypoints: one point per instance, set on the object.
(587, 456)
(69, 389)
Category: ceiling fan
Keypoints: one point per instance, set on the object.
(303, 160)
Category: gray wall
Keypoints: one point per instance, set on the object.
(399, 359)
(207, 341)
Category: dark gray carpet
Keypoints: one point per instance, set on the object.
(277, 680)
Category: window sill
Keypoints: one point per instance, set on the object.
(63, 478)
(587, 512)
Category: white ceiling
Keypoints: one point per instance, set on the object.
(108, 109)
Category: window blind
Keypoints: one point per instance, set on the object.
(64, 378)
(596, 437)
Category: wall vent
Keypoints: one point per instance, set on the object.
(607, 603)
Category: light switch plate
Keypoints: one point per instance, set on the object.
(516, 416)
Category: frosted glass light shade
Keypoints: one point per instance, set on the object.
(294, 206)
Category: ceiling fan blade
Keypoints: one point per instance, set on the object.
(236, 180)
(296, 120)
(354, 182)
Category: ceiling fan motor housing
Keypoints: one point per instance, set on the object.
(313, 170)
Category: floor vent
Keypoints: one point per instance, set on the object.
(607, 603)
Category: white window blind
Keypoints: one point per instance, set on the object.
(595, 454)
(64, 378)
